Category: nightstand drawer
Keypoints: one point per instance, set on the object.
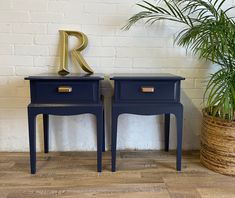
(64, 91)
(147, 91)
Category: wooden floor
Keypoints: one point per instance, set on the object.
(141, 174)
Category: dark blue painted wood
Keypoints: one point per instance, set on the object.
(72, 77)
(100, 134)
(130, 91)
(128, 99)
(46, 91)
(179, 125)
(32, 140)
(46, 132)
(146, 76)
(167, 131)
(103, 147)
(45, 100)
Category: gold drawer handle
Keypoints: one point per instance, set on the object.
(64, 89)
(147, 89)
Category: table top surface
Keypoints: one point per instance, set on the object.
(144, 76)
(98, 76)
(55, 76)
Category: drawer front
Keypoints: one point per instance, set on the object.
(64, 92)
(147, 91)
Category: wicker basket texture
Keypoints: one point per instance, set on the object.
(218, 145)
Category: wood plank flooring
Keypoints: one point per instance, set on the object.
(140, 174)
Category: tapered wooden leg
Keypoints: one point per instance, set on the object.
(179, 122)
(114, 140)
(167, 131)
(32, 140)
(103, 145)
(99, 120)
(46, 132)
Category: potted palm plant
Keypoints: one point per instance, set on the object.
(209, 32)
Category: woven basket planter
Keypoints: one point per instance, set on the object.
(218, 145)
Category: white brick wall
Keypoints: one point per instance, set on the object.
(29, 45)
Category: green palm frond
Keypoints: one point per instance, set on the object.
(221, 94)
(209, 33)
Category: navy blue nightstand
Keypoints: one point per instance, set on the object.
(148, 94)
(64, 95)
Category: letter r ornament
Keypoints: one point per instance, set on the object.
(76, 53)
